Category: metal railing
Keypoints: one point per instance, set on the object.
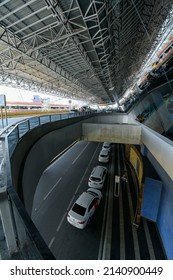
(14, 132)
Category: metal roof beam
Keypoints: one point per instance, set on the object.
(17, 9)
(32, 24)
(4, 2)
(94, 18)
(58, 10)
(15, 43)
(26, 17)
(41, 30)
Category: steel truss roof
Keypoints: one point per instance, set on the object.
(77, 48)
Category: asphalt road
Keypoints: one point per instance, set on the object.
(58, 188)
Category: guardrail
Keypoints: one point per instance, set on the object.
(18, 231)
(14, 132)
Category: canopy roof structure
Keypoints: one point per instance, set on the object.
(82, 49)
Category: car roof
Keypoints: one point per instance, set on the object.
(99, 168)
(85, 199)
(94, 192)
(106, 144)
(104, 152)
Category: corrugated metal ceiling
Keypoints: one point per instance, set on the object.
(76, 48)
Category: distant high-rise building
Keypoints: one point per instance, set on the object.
(37, 98)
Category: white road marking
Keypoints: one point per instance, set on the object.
(71, 201)
(52, 188)
(51, 242)
(66, 149)
(62, 220)
(80, 153)
(134, 230)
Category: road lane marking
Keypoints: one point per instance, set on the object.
(134, 231)
(65, 150)
(100, 252)
(68, 208)
(71, 201)
(62, 220)
(106, 255)
(52, 188)
(86, 171)
(80, 153)
(51, 242)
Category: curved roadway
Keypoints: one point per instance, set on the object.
(110, 234)
(60, 185)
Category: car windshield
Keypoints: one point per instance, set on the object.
(95, 179)
(93, 193)
(79, 209)
(103, 155)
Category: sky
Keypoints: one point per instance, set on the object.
(16, 94)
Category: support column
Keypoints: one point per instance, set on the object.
(21, 229)
(3, 164)
(115, 95)
(7, 221)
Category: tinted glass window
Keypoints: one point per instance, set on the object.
(79, 209)
(95, 179)
(94, 194)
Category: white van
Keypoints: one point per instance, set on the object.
(97, 177)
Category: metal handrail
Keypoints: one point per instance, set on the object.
(70, 115)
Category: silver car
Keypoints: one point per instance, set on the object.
(84, 207)
(107, 146)
(104, 155)
(97, 177)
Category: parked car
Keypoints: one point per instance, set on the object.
(104, 155)
(84, 207)
(107, 146)
(97, 177)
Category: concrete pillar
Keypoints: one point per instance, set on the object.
(3, 164)
(21, 230)
(7, 221)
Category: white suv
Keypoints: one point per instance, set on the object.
(107, 146)
(97, 177)
(104, 156)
